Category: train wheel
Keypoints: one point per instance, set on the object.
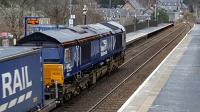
(77, 91)
(67, 96)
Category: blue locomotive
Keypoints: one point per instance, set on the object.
(76, 57)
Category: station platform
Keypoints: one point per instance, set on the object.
(130, 37)
(174, 86)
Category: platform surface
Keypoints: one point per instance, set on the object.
(174, 86)
(141, 33)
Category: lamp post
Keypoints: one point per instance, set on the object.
(135, 16)
(155, 15)
(118, 15)
(148, 19)
(70, 7)
(85, 9)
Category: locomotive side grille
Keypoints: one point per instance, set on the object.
(118, 41)
(85, 52)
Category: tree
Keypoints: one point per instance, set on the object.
(189, 2)
(192, 4)
(92, 15)
(161, 16)
(105, 3)
(12, 13)
(56, 10)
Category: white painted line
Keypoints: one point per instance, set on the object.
(150, 76)
(3, 107)
(12, 103)
(28, 95)
(21, 99)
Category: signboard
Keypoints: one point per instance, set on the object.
(37, 21)
(72, 16)
(44, 21)
(71, 22)
(32, 21)
(4, 34)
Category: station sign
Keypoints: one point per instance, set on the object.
(71, 22)
(72, 16)
(38, 21)
(44, 21)
(32, 21)
(32, 24)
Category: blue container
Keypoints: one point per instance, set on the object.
(21, 87)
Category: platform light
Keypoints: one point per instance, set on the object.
(85, 9)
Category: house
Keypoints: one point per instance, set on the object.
(184, 8)
(126, 14)
(169, 5)
(172, 7)
(133, 6)
(137, 10)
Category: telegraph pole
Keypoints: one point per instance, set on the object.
(135, 19)
(155, 16)
(110, 6)
(72, 17)
(179, 8)
(70, 7)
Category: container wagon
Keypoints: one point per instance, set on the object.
(21, 87)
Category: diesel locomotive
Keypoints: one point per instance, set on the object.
(76, 57)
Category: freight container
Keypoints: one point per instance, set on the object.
(21, 77)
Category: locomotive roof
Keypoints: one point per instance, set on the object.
(68, 34)
(57, 36)
(99, 28)
(72, 33)
(117, 25)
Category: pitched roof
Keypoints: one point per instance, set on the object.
(170, 1)
(135, 4)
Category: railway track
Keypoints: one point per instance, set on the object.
(108, 96)
(150, 40)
